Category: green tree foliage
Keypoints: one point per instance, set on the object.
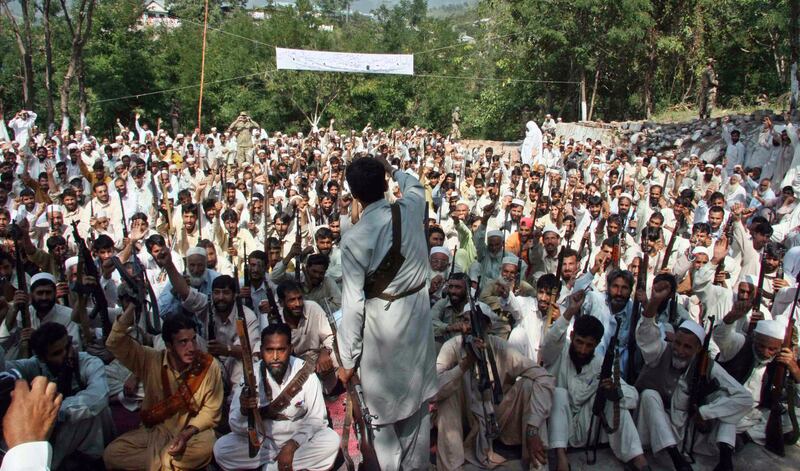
(503, 61)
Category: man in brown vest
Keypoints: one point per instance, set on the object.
(665, 385)
(182, 399)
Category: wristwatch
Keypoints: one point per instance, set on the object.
(531, 431)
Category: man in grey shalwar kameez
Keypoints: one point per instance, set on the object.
(386, 322)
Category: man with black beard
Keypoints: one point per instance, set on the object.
(611, 308)
(751, 359)
(220, 330)
(664, 386)
(84, 422)
(312, 337)
(446, 313)
(298, 437)
(40, 305)
(576, 368)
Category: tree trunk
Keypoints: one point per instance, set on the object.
(650, 72)
(80, 33)
(594, 91)
(24, 44)
(583, 95)
(65, 92)
(48, 66)
(795, 50)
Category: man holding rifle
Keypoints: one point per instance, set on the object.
(668, 407)
(291, 407)
(385, 334)
(576, 369)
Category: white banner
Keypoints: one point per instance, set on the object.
(323, 61)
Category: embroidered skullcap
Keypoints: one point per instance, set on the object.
(42, 277)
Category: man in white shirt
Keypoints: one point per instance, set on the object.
(292, 409)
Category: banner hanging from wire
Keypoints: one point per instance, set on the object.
(350, 62)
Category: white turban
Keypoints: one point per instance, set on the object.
(694, 328)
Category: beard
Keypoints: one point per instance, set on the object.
(760, 360)
(44, 305)
(577, 359)
(196, 281)
(278, 371)
(707, 178)
(222, 306)
(679, 364)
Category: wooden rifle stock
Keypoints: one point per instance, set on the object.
(775, 439)
(600, 398)
(22, 285)
(254, 424)
(700, 387)
(641, 283)
(671, 243)
(758, 295)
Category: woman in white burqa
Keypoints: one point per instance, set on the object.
(532, 145)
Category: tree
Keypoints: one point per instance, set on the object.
(80, 32)
(25, 45)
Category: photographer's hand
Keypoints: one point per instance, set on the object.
(32, 412)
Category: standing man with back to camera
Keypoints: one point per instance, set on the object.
(386, 332)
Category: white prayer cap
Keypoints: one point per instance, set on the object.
(625, 195)
(72, 146)
(517, 202)
(462, 203)
(179, 136)
(261, 151)
(771, 328)
(42, 277)
(709, 166)
(278, 194)
(510, 260)
(100, 213)
(190, 160)
(213, 129)
(694, 328)
(749, 279)
(685, 159)
(54, 208)
(173, 167)
(197, 251)
(495, 233)
(718, 167)
(508, 194)
(701, 250)
(70, 262)
(550, 228)
(114, 145)
(441, 250)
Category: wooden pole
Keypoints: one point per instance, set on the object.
(202, 66)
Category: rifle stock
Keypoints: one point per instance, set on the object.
(600, 398)
(362, 420)
(641, 283)
(22, 285)
(775, 439)
(254, 424)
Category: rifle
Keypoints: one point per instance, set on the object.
(486, 368)
(90, 269)
(453, 263)
(758, 295)
(297, 240)
(255, 427)
(728, 231)
(555, 290)
(249, 301)
(775, 438)
(22, 285)
(124, 221)
(671, 243)
(636, 314)
(609, 369)
(701, 386)
(361, 416)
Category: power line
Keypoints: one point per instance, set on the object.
(457, 77)
(254, 41)
(196, 85)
